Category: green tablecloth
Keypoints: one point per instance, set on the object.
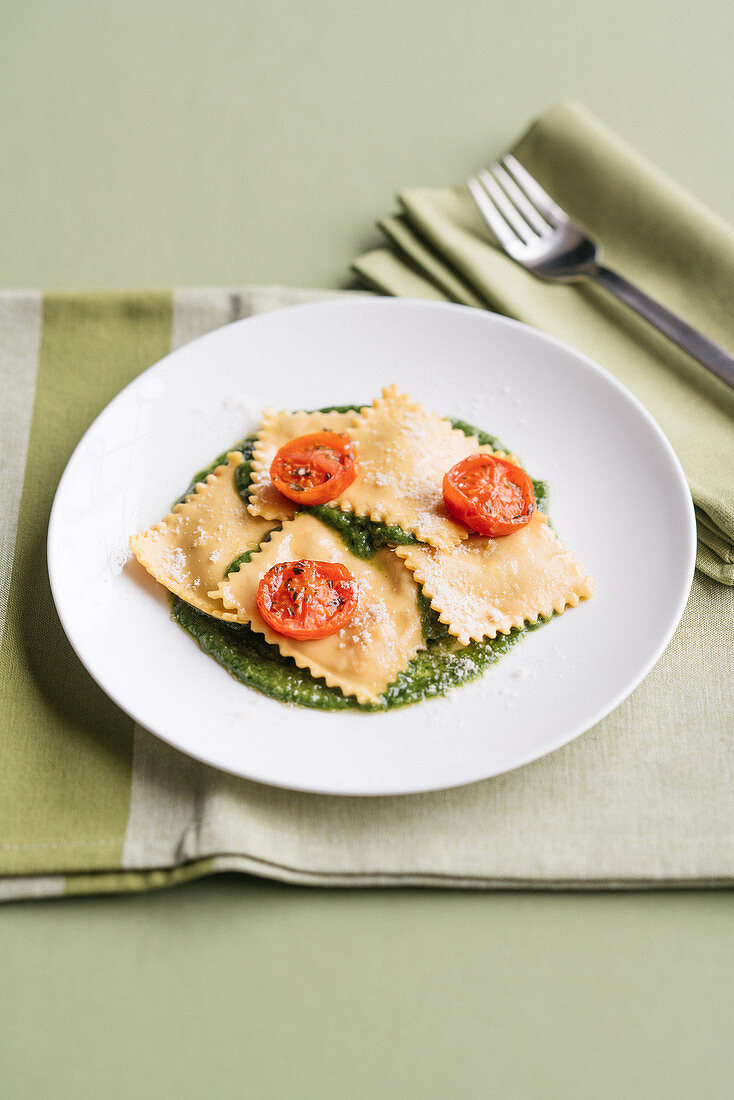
(171, 144)
(89, 802)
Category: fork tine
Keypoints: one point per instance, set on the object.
(508, 211)
(506, 236)
(541, 199)
(526, 208)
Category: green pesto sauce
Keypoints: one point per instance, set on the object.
(443, 665)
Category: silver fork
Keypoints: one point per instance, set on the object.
(538, 234)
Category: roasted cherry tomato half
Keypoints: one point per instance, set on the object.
(314, 468)
(307, 599)
(489, 494)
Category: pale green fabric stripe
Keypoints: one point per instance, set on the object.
(28, 887)
(134, 882)
(161, 809)
(299, 877)
(167, 794)
(20, 341)
(198, 310)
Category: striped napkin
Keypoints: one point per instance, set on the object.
(91, 802)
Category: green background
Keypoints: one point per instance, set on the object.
(178, 143)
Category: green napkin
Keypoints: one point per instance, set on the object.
(89, 801)
(652, 232)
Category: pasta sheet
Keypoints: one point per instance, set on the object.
(404, 451)
(189, 550)
(384, 634)
(277, 429)
(484, 587)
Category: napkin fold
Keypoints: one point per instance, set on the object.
(91, 802)
(652, 232)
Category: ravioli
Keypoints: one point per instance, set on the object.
(279, 428)
(484, 587)
(189, 550)
(383, 636)
(479, 595)
(404, 451)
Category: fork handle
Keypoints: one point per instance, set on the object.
(685, 336)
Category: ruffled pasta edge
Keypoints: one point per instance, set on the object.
(234, 459)
(313, 668)
(260, 477)
(570, 597)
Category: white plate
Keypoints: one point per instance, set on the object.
(619, 501)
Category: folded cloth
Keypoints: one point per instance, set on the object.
(90, 802)
(652, 232)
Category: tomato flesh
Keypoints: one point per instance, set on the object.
(314, 468)
(489, 494)
(307, 599)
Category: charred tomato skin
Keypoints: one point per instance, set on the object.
(489, 494)
(313, 469)
(307, 599)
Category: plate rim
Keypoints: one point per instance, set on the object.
(492, 319)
